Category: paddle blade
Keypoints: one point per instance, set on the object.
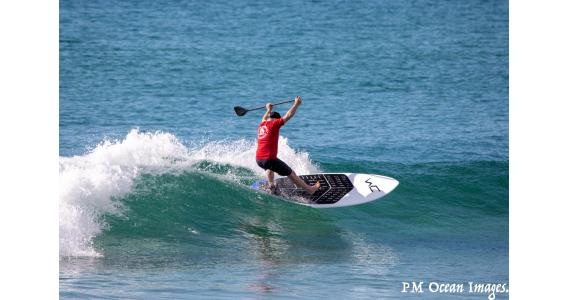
(240, 111)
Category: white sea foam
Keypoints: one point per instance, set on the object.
(241, 153)
(91, 184)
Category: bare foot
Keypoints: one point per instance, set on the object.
(272, 188)
(312, 189)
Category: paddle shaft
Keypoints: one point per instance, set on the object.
(272, 104)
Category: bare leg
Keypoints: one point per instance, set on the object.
(270, 175)
(301, 184)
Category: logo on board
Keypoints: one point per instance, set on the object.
(372, 187)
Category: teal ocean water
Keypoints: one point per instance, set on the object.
(155, 165)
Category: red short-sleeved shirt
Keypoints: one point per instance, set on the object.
(268, 133)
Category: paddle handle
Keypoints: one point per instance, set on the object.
(288, 101)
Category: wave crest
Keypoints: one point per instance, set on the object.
(91, 185)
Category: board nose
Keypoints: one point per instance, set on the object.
(369, 184)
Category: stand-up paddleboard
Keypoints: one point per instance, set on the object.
(336, 190)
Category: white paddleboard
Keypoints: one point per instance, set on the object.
(337, 189)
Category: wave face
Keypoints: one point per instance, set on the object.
(93, 186)
(152, 186)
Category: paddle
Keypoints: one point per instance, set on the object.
(241, 111)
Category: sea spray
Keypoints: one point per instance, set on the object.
(91, 185)
(241, 153)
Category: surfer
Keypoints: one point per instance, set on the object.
(267, 148)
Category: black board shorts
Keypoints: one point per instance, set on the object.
(275, 165)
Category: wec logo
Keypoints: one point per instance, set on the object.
(372, 186)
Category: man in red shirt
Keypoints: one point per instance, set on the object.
(267, 148)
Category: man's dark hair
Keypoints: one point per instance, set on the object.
(274, 115)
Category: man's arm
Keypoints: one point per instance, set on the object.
(268, 111)
(292, 110)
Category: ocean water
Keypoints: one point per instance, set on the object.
(155, 165)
